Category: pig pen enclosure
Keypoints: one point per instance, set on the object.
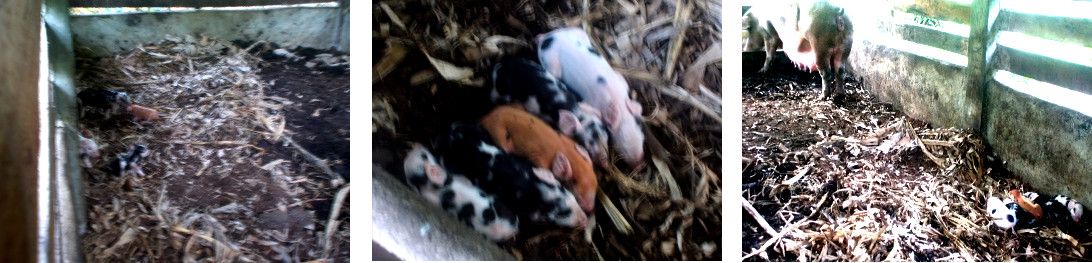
(433, 59)
(249, 160)
(902, 167)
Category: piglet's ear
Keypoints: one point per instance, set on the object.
(435, 174)
(633, 106)
(583, 153)
(552, 62)
(612, 116)
(567, 122)
(588, 109)
(561, 167)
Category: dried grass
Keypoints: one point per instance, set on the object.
(206, 181)
(861, 182)
(668, 211)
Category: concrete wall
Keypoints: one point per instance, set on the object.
(19, 57)
(1045, 145)
(314, 27)
(67, 213)
(922, 87)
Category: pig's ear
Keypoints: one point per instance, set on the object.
(588, 109)
(561, 167)
(612, 117)
(633, 106)
(552, 62)
(435, 174)
(583, 153)
(567, 122)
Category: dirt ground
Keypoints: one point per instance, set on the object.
(813, 171)
(231, 194)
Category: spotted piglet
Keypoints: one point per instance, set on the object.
(128, 162)
(532, 192)
(105, 102)
(459, 197)
(517, 80)
(516, 131)
(568, 55)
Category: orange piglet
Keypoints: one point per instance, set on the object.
(523, 134)
(141, 114)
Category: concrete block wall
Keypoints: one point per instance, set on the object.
(1045, 145)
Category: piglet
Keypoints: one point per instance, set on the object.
(1003, 217)
(102, 101)
(523, 134)
(568, 54)
(1058, 209)
(142, 114)
(128, 162)
(88, 149)
(1009, 215)
(517, 80)
(532, 192)
(459, 197)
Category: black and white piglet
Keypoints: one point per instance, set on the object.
(105, 102)
(1059, 209)
(530, 191)
(458, 196)
(128, 162)
(517, 80)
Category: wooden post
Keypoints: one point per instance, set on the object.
(20, 37)
(981, 44)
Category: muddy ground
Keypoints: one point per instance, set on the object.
(853, 201)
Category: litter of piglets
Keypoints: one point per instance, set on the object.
(578, 124)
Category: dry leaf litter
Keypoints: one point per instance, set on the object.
(858, 181)
(225, 180)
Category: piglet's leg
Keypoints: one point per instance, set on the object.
(136, 168)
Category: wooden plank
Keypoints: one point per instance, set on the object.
(188, 3)
(980, 43)
(1042, 68)
(938, 9)
(1062, 29)
(20, 37)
